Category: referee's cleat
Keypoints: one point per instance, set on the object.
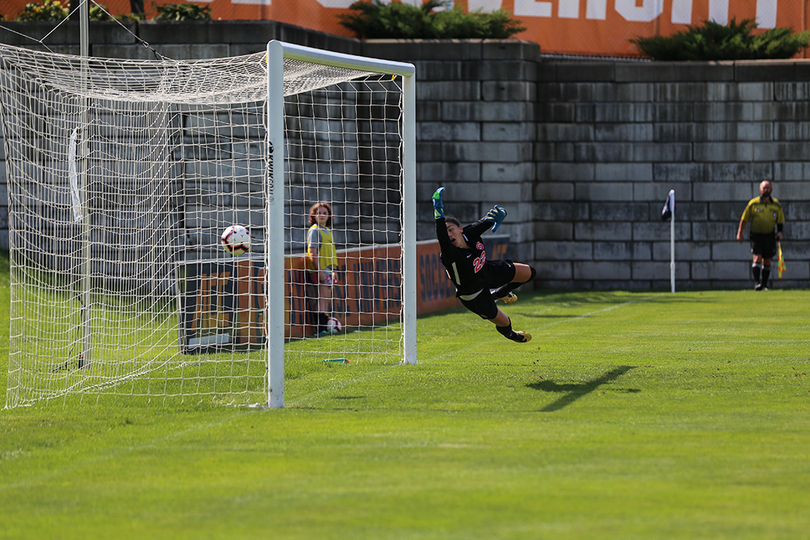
(510, 298)
(521, 337)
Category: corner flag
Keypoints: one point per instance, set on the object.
(781, 268)
(668, 213)
(669, 206)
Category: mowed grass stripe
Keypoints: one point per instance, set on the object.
(486, 336)
(679, 416)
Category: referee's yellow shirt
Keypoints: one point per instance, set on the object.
(763, 216)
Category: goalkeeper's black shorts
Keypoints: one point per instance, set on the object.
(482, 303)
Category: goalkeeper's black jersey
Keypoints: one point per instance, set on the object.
(467, 268)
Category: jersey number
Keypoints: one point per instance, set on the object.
(479, 262)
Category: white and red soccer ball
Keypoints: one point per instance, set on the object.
(333, 325)
(236, 240)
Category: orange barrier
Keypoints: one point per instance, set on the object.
(222, 300)
(598, 27)
(368, 289)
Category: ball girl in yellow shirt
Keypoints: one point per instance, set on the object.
(321, 262)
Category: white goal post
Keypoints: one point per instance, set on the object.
(277, 54)
(122, 175)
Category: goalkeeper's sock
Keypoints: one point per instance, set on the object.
(504, 290)
(508, 333)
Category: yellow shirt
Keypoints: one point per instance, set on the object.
(320, 244)
(763, 216)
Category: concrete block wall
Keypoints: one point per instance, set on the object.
(476, 104)
(181, 40)
(608, 140)
(615, 137)
(581, 153)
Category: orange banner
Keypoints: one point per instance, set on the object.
(222, 300)
(368, 290)
(598, 27)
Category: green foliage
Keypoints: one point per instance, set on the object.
(183, 12)
(713, 41)
(397, 20)
(49, 10)
(99, 13)
(52, 10)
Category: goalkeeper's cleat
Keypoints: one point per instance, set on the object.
(521, 337)
(510, 298)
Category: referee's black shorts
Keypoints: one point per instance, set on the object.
(763, 245)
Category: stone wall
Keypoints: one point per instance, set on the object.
(581, 153)
(614, 137)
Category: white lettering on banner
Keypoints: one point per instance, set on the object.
(336, 3)
(568, 10)
(718, 11)
(596, 9)
(630, 10)
(531, 8)
(256, 2)
(766, 13)
(682, 11)
(649, 10)
(484, 5)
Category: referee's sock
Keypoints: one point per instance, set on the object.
(756, 269)
(766, 274)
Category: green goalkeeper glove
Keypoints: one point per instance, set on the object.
(438, 205)
(496, 216)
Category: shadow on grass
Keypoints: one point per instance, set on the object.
(573, 392)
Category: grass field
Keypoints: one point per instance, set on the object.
(641, 415)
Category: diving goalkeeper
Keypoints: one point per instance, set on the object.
(479, 282)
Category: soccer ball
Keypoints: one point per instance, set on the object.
(236, 240)
(333, 325)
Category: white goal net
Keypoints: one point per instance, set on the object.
(123, 175)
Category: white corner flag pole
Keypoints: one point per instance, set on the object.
(672, 241)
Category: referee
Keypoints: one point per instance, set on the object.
(765, 214)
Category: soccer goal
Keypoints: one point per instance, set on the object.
(123, 175)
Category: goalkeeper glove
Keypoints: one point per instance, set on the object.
(438, 205)
(496, 216)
